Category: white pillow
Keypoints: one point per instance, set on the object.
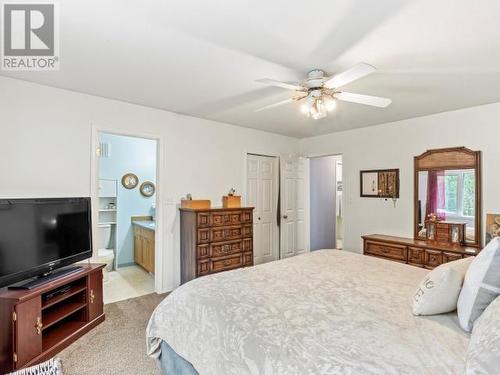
(438, 292)
(481, 285)
(483, 355)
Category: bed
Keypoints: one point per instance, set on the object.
(326, 312)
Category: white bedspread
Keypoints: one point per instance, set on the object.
(327, 312)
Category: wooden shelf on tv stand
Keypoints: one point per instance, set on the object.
(35, 328)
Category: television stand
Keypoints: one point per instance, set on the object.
(46, 278)
(37, 323)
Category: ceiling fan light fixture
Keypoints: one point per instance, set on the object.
(330, 104)
(318, 109)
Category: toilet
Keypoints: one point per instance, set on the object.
(104, 254)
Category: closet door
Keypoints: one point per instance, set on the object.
(293, 205)
(262, 193)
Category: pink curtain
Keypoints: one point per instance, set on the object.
(435, 195)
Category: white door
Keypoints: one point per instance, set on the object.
(293, 204)
(262, 193)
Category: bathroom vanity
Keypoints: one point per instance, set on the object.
(144, 244)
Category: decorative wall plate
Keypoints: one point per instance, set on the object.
(147, 189)
(130, 181)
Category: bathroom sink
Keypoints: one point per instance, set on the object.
(146, 224)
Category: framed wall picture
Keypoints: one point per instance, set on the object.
(379, 183)
(369, 184)
(492, 226)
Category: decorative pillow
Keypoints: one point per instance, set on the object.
(483, 355)
(438, 292)
(481, 285)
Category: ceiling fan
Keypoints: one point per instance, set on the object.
(319, 92)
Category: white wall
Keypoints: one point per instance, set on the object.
(393, 146)
(46, 148)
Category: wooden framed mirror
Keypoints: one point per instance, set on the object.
(447, 196)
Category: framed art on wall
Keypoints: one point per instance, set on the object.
(369, 184)
(492, 226)
(379, 183)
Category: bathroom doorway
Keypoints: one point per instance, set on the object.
(326, 211)
(125, 209)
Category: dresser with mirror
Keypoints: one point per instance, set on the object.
(447, 211)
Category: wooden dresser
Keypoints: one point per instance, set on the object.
(214, 240)
(419, 253)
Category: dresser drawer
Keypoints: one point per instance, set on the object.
(450, 257)
(444, 238)
(227, 263)
(416, 256)
(203, 219)
(203, 267)
(203, 251)
(433, 258)
(397, 252)
(247, 244)
(247, 217)
(225, 233)
(203, 235)
(247, 231)
(248, 259)
(226, 218)
(226, 248)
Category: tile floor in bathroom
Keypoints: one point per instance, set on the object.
(127, 282)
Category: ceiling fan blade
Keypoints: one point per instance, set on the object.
(375, 101)
(356, 72)
(275, 104)
(301, 95)
(283, 85)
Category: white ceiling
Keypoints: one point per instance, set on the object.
(202, 57)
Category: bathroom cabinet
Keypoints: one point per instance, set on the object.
(144, 248)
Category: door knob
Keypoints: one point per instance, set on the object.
(258, 218)
(285, 216)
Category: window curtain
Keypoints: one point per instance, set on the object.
(436, 195)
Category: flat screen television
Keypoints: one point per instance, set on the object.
(38, 236)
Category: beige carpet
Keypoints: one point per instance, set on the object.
(117, 346)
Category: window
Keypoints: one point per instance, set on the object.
(459, 187)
